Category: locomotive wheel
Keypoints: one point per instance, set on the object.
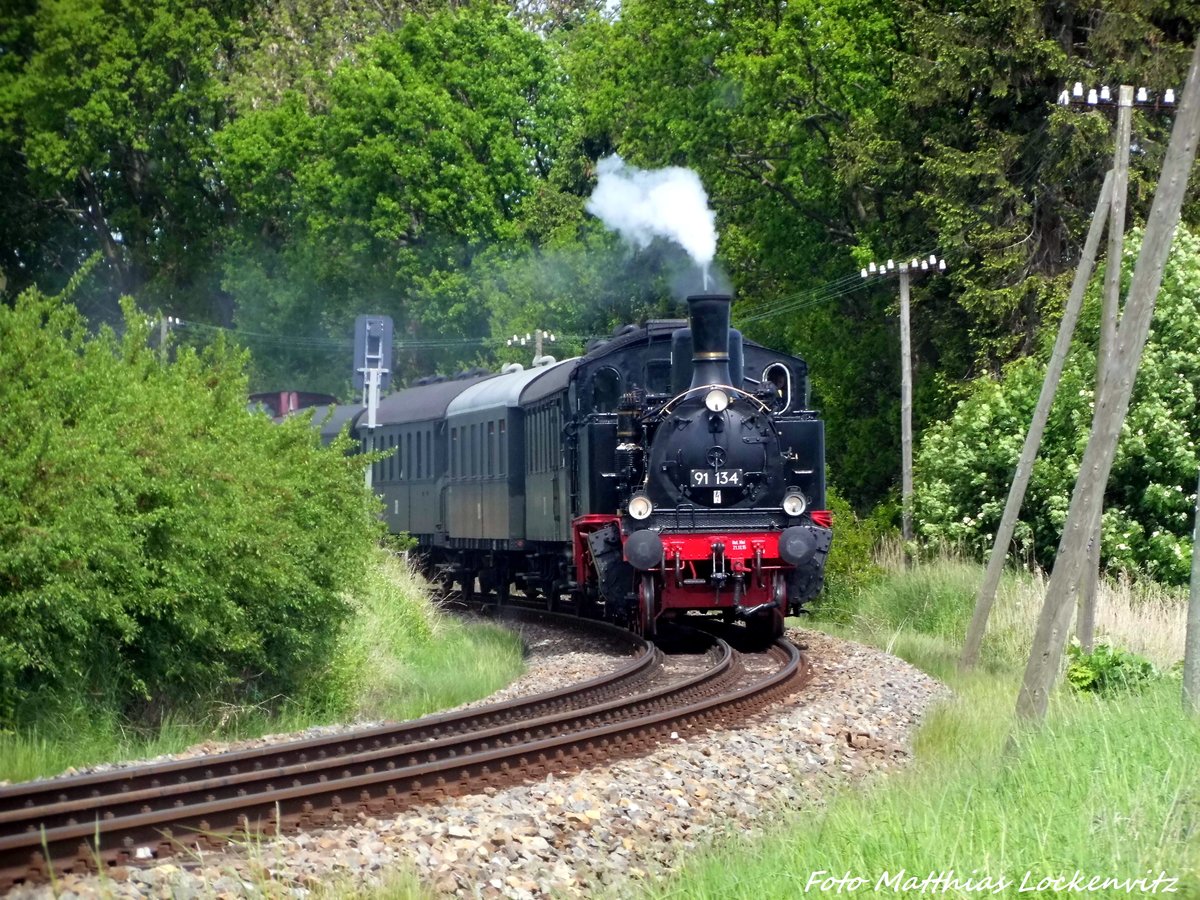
(765, 627)
(643, 623)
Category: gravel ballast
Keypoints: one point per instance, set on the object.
(589, 833)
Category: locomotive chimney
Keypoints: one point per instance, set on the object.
(709, 314)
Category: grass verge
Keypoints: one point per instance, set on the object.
(1107, 788)
(400, 658)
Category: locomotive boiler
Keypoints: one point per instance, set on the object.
(673, 469)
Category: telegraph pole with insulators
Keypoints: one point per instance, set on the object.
(905, 270)
(1126, 99)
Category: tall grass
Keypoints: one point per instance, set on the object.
(1109, 788)
(937, 597)
(400, 658)
(407, 658)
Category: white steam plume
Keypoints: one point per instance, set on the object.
(642, 205)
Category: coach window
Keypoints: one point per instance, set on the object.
(606, 390)
(491, 448)
(537, 441)
(429, 451)
(543, 449)
(780, 378)
(453, 451)
(555, 439)
(532, 442)
(503, 449)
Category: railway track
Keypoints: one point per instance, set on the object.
(86, 822)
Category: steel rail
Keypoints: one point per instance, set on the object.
(17, 799)
(172, 797)
(374, 781)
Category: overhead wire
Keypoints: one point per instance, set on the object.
(346, 343)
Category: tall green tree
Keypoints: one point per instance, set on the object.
(832, 131)
(421, 153)
(108, 111)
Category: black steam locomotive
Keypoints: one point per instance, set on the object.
(674, 468)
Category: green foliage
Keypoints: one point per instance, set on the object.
(932, 599)
(382, 191)
(849, 568)
(837, 131)
(108, 111)
(965, 465)
(288, 166)
(157, 541)
(396, 658)
(1107, 670)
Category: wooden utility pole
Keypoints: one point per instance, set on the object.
(906, 438)
(1085, 628)
(164, 330)
(1191, 644)
(537, 337)
(1033, 438)
(906, 269)
(1045, 659)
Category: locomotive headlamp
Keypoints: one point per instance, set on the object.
(640, 507)
(716, 400)
(794, 503)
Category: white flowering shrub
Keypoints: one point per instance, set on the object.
(965, 465)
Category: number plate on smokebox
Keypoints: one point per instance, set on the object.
(716, 478)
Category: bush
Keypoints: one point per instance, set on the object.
(965, 465)
(1107, 670)
(158, 542)
(850, 567)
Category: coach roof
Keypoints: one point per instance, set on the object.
(501, 391)
(424, 402)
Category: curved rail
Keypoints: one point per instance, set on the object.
(17, 799)
(125, 817)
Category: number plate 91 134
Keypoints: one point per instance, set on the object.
(716, 478)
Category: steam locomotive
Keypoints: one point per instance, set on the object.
(674, 468)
